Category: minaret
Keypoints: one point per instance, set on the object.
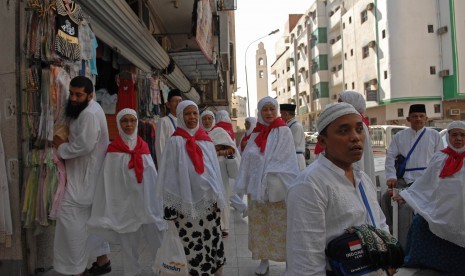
(262, 72)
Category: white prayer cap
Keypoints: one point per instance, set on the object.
(180, 115)
(333, 112)
(355, 99)
(262, 103)
(223, 116)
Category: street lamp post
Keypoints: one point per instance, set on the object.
(246, 81)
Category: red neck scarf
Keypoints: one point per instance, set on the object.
(453, 163)
(318, 148)
(244, 141)
(193, 150)
(226, 126)
(365, 120)
(136, 161)
(263, 130)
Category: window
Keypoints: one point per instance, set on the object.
(298, 56)
(261, 62)
(300, 101)
(345, 86)
(432, 70)
(383, 33)
(400, 112)
(343, 25)
(339, 67)
(365, 51)
(261, 74)
(430, 29)
(353, 85)
(385, 74)
(373, 121)
(364, 16)
(299, 78)
(437, 108)
(308, 98)
(345, 56)
(350, 19)
(351, 52)
(366, 86)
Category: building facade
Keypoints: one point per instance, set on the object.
(395, 53)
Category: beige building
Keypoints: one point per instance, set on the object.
(261, 71)
(378, 49)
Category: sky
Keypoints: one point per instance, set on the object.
(254, 19)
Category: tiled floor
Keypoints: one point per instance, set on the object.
(238, 257)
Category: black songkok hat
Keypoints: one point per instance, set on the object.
(173, 93)
(420, 108)
(287, 107)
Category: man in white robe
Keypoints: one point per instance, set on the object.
(288, 115)
(402, 142)
(326, 197)
(167, 124)
(83, 152)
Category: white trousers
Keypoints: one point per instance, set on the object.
(73, 245)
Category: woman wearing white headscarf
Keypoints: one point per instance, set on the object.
(192, 193)
(367, 163)
(207, 120)
(250, 123)
(124, 206)
(225, 148)
(438, 197)
(268, 163)
(224, 121)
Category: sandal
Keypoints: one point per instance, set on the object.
(224, 234)
(99, 270)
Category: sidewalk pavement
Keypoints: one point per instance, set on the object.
(238, 257)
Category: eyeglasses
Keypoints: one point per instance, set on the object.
(128, 121)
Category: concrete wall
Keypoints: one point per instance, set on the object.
(10, 257)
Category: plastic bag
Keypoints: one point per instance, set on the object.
(171, 259)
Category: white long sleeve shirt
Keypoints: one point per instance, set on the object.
(165, 128)
(402, 142)
(320, 205)
(84, 153)
(299, 140)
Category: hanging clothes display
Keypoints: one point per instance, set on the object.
(6, 226)
(126, 91)
(68, 18)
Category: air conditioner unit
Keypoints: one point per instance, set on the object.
(334, 97)
(331, 13)
(311, 14)
(372, 44)
(442, 30)
(333, 69)
(454, 111)
(332, 41)
(443, 73)
(373, 82)
(370, 6)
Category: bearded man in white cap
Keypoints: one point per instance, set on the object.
(326, 198)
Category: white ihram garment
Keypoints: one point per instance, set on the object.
(164, 130)
(83, 155)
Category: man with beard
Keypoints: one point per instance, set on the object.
(83, 152)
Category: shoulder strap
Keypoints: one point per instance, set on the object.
(292, 124)
(172, 122)
(365, 201)
(402, 166)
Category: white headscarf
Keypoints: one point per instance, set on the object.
(223, 116)
(355, 99)
(180, 115)
(262, 103)
(278, 159)
(180, 186)
(207, 112)
(455, 124)
(253, 124)
(128, 139)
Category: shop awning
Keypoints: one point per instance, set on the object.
(115, 23)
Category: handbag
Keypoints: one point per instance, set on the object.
(364, 249)
(232, 166)
(275, 189)
(171, 258)
(401, 161)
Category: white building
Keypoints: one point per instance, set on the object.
(396, 53)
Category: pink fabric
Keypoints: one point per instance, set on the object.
(61, 186)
